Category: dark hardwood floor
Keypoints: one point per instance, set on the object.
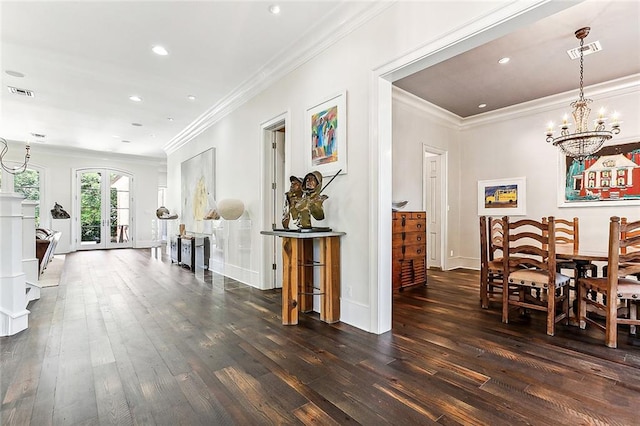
(130, 339)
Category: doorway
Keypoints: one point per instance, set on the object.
(434, 186)
(274, 148)
(103, 209)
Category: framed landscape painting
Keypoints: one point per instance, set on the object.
(610, 177)
(502, 197)
(326, 136)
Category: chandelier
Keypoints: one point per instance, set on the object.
(13, 170)
(582, 142)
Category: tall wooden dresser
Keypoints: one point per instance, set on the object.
(409, 249)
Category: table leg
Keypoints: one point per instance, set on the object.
(290, 275)
(330, 279)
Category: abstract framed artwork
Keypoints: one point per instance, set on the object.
(502, 197)
(610, 177)
(197, 189)
(326, 135)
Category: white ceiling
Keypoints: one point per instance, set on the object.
(84, 59)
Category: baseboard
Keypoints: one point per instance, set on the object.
(243, 275)
(463, 263)
(147, 244)
(13, 322)
(355, 314)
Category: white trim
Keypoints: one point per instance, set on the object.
(354, 313)
(437, 114)
(469, 35)
(265, 155)
(444, 197)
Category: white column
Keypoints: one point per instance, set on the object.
(14, 317)
(29, 259)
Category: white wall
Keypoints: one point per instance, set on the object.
(417, 123)
(503, 144)
(512, 144)
(59, 179)
(346, 65)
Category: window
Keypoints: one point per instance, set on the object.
(27, 183)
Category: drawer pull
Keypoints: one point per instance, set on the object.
(419, 238)
(403, 250)
(419, 225)
(403, 221)
(419, 251)
(404, 234)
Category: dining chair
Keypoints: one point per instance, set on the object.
(568, 234)
(620, 294)
(491, 234)
(529, 263)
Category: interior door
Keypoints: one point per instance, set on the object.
(433, 207)
(104, 218)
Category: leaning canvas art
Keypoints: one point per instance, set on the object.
(609, 177)
(198, 193)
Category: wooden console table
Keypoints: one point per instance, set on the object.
(297, 276)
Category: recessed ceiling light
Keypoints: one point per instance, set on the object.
(136, 124)
(115, 136)
(125, 141)
(191, 98)
(159, 50)
(482, 106)
(135, 98)
(14, 73)
(170, 118)
(504, 60)
(274, 9)
(38, 135)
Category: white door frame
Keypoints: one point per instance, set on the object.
(76, 208)
(271, 248)
(444, 159)
(504, 20)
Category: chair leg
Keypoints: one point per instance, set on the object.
(484, 282)
(505, 301)
(551, 311)
(611, 333)
(582, 306)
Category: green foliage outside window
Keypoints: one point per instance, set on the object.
(91, 208)
(27, 183)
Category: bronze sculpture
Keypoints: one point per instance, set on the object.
(291, 197)
(304, 200)
(58, 212)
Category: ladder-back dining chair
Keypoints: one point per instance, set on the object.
(619, 294)
(529, 263)
(491, 234)
(568, 234)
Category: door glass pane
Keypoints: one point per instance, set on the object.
(90, 208)
(27, 183)
(119, 197)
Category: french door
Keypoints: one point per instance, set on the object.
(104, 217)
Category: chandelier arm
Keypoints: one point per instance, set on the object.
(13, 170)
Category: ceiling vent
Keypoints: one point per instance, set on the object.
(586, 50)
(22, 92)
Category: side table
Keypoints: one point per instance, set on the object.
(297, 277)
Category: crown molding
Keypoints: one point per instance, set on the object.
(434, 112)
(338, 24)
(618, 87)
(65, 151)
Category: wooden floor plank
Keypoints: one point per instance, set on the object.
(127, 338)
